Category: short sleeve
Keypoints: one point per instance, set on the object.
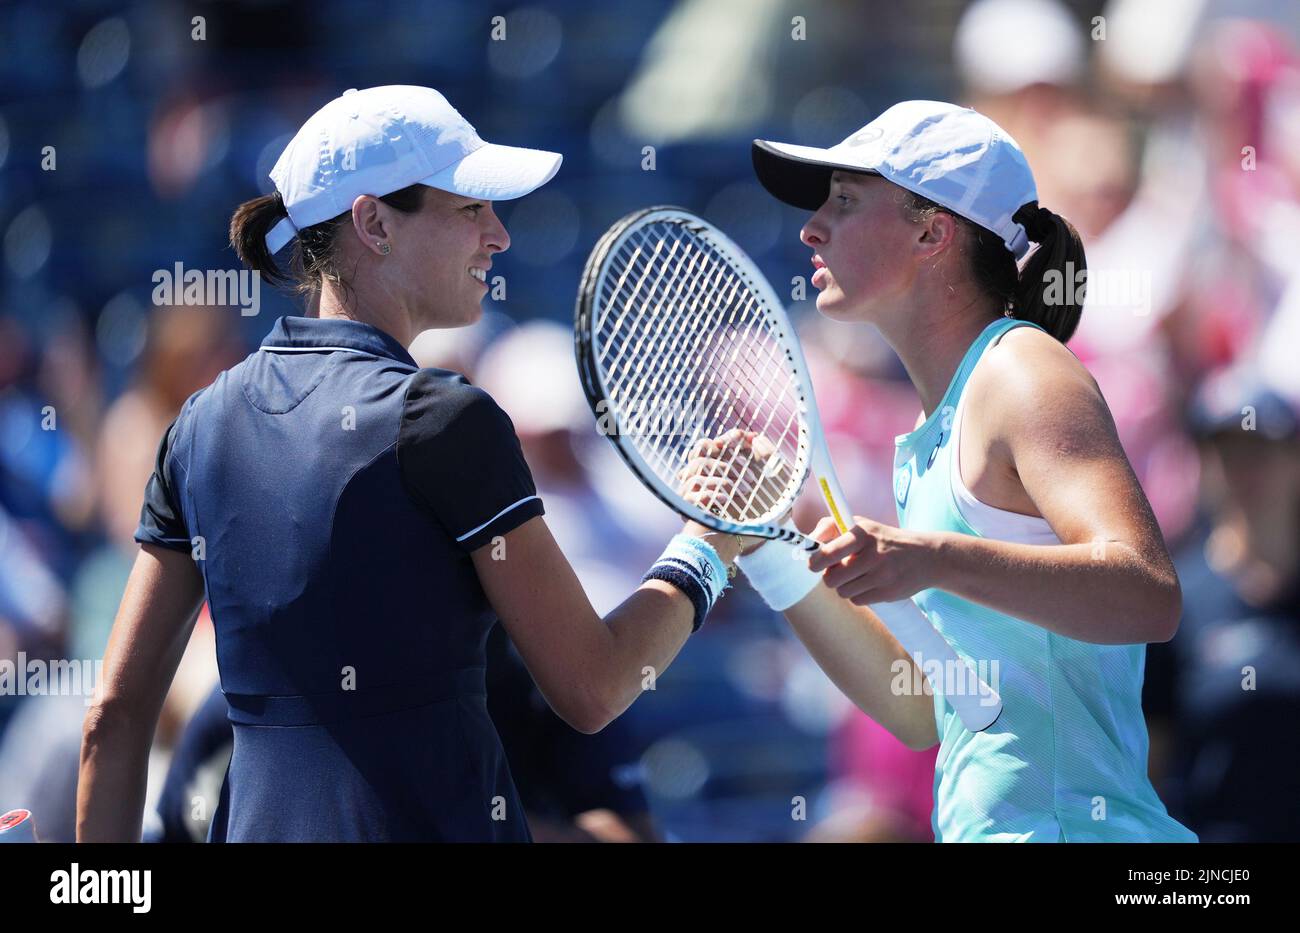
(161, 521)
(460, 458)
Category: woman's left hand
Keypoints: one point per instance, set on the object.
(875, 563)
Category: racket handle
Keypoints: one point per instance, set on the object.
(977, 710)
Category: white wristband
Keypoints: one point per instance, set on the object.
(779, 572)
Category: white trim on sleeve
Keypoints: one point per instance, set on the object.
(474, 531)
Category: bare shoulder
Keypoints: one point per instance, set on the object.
(1027, 364)
(1030, 383)
(1027, 353)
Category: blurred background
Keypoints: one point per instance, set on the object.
(1168, 131)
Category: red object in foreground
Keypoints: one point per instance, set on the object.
(17, 826)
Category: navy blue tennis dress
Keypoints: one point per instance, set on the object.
(331, 492)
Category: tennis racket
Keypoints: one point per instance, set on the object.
(680, 340)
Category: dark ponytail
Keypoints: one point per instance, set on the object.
(249, 226)
(1053, 283)
(314, 250)
(1049, 290)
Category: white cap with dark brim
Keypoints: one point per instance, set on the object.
(954, 156)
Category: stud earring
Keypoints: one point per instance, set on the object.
(385, 248)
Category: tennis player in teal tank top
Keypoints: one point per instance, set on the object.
(1023, 533)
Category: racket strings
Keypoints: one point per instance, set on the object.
(692, 359)
(628, 302)
(674, 369)
(684, 362)
(748, 387)
(773, 379)
(783, 435)
(681, 333)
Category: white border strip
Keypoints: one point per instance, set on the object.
(315, 350)
(474, 531)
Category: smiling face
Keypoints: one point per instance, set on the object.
(866, 250)
(441, 257)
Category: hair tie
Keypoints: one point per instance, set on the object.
(1039, 222)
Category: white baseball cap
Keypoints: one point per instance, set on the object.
(951, 155)
(383, 139)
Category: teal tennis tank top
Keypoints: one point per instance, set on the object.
(1067, 759)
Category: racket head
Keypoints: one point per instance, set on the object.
(671, 312)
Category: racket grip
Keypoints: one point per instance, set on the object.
(978, 708)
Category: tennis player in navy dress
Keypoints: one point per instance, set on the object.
(391, 643)
(358, 524)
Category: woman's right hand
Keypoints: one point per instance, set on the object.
(734, 475)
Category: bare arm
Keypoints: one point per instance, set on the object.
(866, 662)
(1110, 581)
(589, 669)
(154, 621)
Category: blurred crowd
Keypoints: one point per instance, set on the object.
(1167, 131)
